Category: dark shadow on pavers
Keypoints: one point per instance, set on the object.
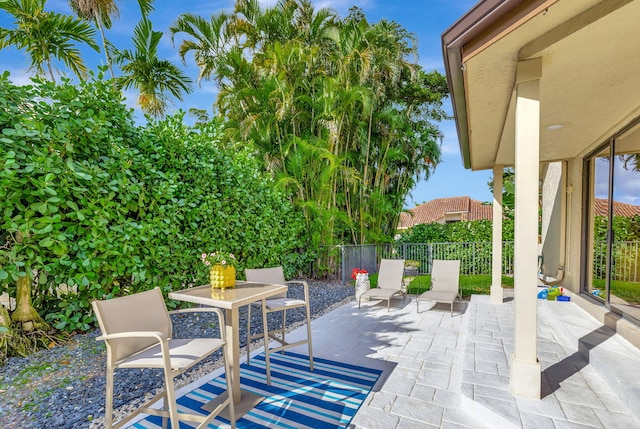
(559, 372)
(459, 307)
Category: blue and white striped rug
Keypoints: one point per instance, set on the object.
(327, 397)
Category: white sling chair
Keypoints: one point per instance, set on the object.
(390, 277)
(138, 333)
(278, 303)
(445, 278)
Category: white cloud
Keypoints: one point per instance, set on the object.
(268, 3)
(131, 101)
(207, 87)
(450, 143)
(20, 77)
(626, 187)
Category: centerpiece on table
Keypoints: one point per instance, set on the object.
(222, 269)
(361, 277)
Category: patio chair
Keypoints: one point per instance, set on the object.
(278, 303)
(137, 331)
(445, 283)
(390, 277)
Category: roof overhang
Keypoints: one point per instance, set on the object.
(590, 74)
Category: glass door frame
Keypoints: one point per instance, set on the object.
(588, 228)
(588, 217)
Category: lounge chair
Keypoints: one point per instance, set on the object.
(278, 303)
(138, 333)
(445, 279)
(389, 282)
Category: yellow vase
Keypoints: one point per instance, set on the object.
(222, 277)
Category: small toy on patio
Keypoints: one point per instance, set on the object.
(554, 293)
(543, 294)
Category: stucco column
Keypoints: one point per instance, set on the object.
(496, 269)
(525, 368)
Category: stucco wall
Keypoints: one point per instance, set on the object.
(574, 224)
(552, 218)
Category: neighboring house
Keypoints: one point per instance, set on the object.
(445, 210)
(601, 208)
(553, 89)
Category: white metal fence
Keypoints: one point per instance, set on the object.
(475, 257)
(626, 260)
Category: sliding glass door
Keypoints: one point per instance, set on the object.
(613, 263)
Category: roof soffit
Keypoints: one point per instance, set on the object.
(575, 46)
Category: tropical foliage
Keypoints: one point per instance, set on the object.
(456, 232)
(339, 110)
(100, 12)
(46, 36)
(155, 79)
(323, 125)
(508, 192)
(92, 206)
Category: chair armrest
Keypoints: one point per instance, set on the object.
(206, 310)
(133, 334)
(304, 284)
(162, 340)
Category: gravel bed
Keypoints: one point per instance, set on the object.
(64, 387)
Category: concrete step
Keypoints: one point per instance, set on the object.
(577, 358)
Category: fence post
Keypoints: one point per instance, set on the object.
(342, 263)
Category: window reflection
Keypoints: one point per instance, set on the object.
(614, 274)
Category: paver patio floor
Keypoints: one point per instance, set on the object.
(453, 372)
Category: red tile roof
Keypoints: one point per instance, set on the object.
(436, 211)
(619, 209)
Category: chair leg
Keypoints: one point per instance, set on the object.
(170, 398)
(309, 337)
(165, 407)
(249, 334)
(265, 332)
(108, 409)
(283, 331)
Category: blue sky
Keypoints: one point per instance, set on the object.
(426, 19)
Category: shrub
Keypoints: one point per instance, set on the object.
(93, 203)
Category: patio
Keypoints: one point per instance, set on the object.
(453, 372)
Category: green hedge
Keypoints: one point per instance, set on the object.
(92, 201)
(455, 232)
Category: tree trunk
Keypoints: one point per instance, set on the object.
(24, 312)
(5, 320)
(106, 51)
(5, 334)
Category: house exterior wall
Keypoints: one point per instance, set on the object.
(574, 238)
(552, 238)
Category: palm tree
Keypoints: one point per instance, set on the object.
(46, 35)
(339, 109)
(151, 76)
(100, 12)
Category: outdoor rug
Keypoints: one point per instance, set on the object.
(327, 397)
